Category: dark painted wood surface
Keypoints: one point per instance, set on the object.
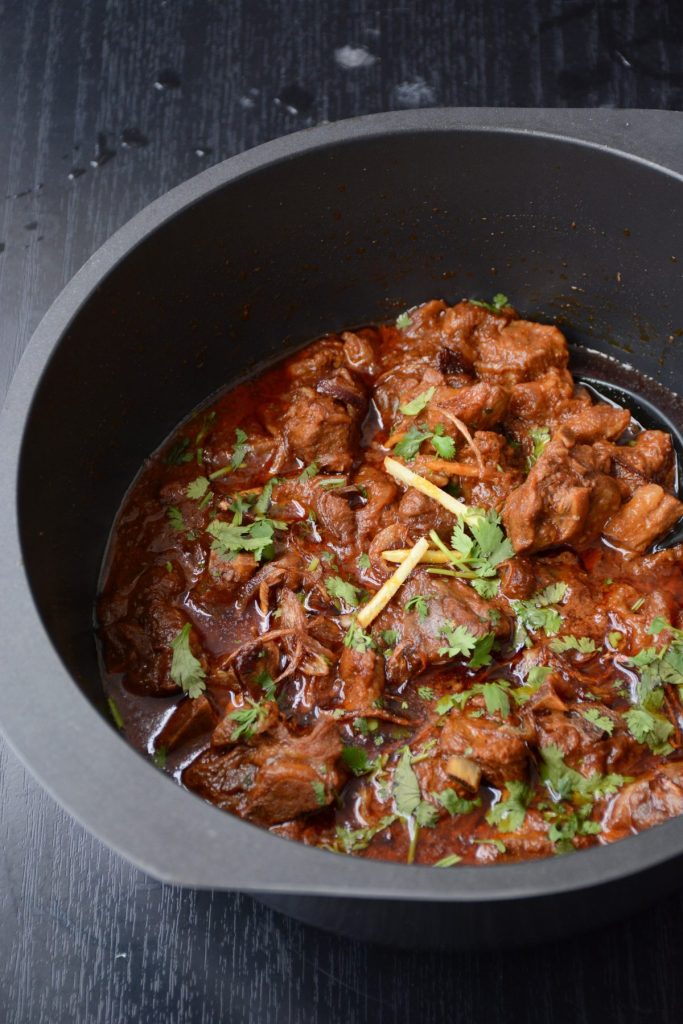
(105, 104)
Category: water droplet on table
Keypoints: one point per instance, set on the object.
(414, 92)
(349, 57)
(294, 99)
(167, 79)
(76, 172)
(133, 138)
(102, 151)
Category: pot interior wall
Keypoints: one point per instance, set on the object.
(324, 240)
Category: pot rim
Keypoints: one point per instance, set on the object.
(65, 741)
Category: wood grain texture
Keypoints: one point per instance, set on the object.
(87, 139)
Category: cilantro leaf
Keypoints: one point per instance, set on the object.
(455, 804)
(448, 861)
(540, 436)
(389, 636)
(364, 561)
(406, 789)
(265, 497)
(486, 588)
(309, 472)
(495, 696)
(255, 537)
(535, 614)
(319, 792)
(582, 644)
(482, 651)
(444, 446)
(658, 624)
(198, 488)
(418, 404)
(352, 840)
(425, 693)
(159, 757)
(601, 721)
(649, 728)
(426, 815)
(342, 591)
(116, 715)
(357, 760)
(494, 546)
(408, 447)
(418, 604)
(175, 518)
(403, 321)
(179, 452)
(565, 783)
(186, 670)
(509, 814)
(459, 640)
(357, 639)
(497, 303)
(247, 719)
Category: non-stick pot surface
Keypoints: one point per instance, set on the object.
(331, 228)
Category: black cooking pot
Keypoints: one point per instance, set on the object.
(577, 216)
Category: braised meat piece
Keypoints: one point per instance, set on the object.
(335, 515)
(597, 422)
(521, 351)
(649, 800)
(190, 720)
(648, 515)
(499, 749)
(539, 402)
(480, 406)
(566, 499)
(649, 459)
(320, 429)
(420, 637)
(362, 677)
(278, 778)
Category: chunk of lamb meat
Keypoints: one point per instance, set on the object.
(649, 460)
(335, 516)
(400, 385)
(362, 676)
(420, 639)
(424, 514)
(499, 478)
(277, 778)
(345, 388)
(319, 429)
(380, 491)
(316, 361)
(539, 401)
(566, 499)
(191, 719)
(644, 518)
(359, 351)
(580, 741)
(598, 422)
(521, 351)
(497, 748)
(139, 641)
(650, 800)
(480, 406)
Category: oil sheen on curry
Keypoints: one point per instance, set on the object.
(396, 598)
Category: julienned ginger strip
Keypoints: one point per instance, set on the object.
(389, 588)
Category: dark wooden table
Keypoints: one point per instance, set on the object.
(103, 106)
